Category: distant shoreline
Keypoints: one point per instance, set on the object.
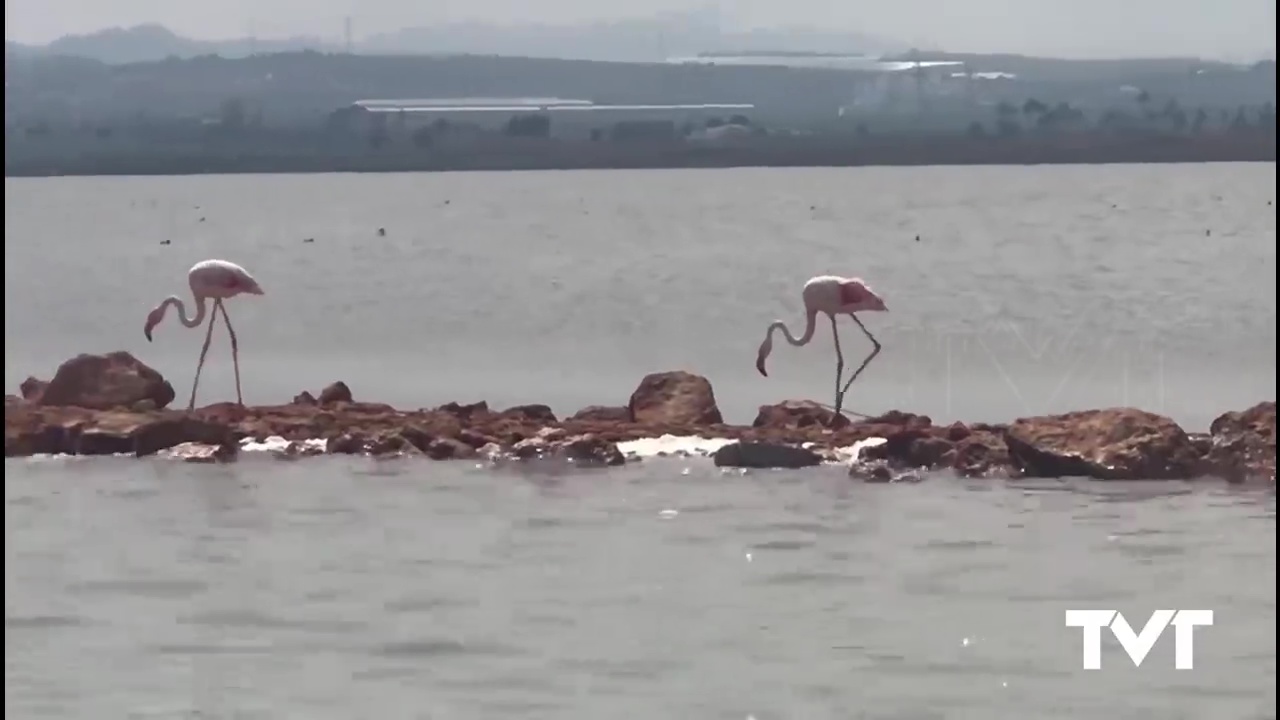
(811, 151)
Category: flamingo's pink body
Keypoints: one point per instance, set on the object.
(215, 280)
(831, 295)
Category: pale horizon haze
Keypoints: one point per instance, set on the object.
(1238, 30)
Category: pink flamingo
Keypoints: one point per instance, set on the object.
(832, 295)
(219, 280)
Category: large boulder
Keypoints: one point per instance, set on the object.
(1109, 444)
(105, 382)
(674, 398)
(1244, 444)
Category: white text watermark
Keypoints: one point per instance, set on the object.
(1137, 645)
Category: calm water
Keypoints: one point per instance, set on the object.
(347, 588)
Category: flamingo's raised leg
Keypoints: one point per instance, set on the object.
(875, 350)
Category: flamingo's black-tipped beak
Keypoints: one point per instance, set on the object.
(760, 368)
(147, 332)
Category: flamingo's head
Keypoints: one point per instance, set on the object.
(153, 319)
(766, 347)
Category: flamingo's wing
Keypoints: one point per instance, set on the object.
(854, 292)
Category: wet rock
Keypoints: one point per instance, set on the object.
(878, 471)
(908, 447)
(1110, 444)
(530, 448)
(674, 398)
(798, 414)
(13, 401)
(590, 451)
(583, 450)
(444, 448)
(602, 413)
(297, 451)
(1242, 445)
(203, 454)
(104, 382)
(765, 455)
(172, 429)
(336, 393)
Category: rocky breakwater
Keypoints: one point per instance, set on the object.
(115, 404)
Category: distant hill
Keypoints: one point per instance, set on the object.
(650, 39)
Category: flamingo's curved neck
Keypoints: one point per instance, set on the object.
(810, 325)
(201, 310)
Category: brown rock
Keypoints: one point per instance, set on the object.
(104, 382)
(473, 438)
(674, 398)
(602, 413)
(336, 393)
(74, 431)
(928, 451)
(536, 413)
(304, 398)
(391, 444)
(983, 454)
(465, 412)
(1242, 445)
(899, 418)
(32, 389)
(346, 444)
(1111, 444)
(798, 414)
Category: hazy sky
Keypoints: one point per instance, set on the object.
(1234, 29)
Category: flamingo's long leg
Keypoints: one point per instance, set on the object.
(235, 349)
(874, 351)
(835, 334)
(208, 337)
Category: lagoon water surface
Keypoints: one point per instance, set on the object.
(340, 588)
